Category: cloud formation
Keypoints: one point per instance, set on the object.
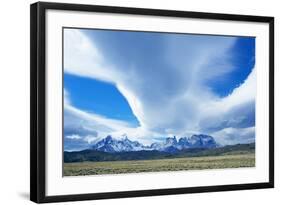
(170, 98)
(82, 128)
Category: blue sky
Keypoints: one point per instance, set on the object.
(105, 99)
(153, 85)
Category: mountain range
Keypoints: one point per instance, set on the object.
(100, 156)
(170, 145)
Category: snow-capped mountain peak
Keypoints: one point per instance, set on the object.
(110, 144)
(171, 141)
(202, 141)
(171, 144)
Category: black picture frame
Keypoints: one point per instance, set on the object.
(38, 101)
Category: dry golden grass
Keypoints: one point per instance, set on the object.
(177, 164)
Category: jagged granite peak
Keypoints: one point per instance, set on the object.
(184, 143)
(109, 138)
(171, 140)
(202, 141)
(171, 144)
(110, 144)
(155, 146)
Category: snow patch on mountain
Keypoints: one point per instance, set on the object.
(171, 144)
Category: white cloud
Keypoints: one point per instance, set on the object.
(89, 122)
(235, 110)
(172, 98)
(230, 136)
(73, 137)
(81, 128)
(246, 92)
(66, 97)
(81, 57)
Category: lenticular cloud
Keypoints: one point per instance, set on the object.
(170, 97)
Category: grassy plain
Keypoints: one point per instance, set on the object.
(160, 165)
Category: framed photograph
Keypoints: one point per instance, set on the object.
(129, 102)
